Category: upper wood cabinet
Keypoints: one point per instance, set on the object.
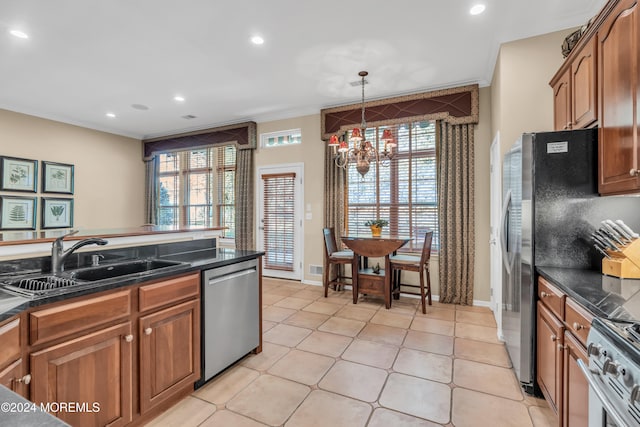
(574, 90)
(618, 94)
(562, 102)
(583, 86)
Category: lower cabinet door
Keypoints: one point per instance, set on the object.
(549, 356)
(169, 352)
(12, 377)
(86, 381)
(576, 388)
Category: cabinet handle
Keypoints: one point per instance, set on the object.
(128, 338)
(633, 172)
(561, 347)
(554, 338)
(543, 294)
(577, 326)
(24, 380)
(568, 126)
(148, 331)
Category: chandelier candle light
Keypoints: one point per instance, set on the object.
(362, 152)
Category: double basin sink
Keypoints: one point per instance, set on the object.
(38, 286)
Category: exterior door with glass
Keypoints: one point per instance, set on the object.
(280, 222)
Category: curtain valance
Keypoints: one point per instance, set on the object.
(242, 135)
(455, 106)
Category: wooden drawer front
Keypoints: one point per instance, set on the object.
(551, 297)
(371, 285)
(578, 320)
(168, 291)
(52, 323)
(10, 339)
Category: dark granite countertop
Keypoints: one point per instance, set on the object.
(604, 296)
(193, 260)
(19, 412)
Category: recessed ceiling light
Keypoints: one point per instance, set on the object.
(257, 40)
(178, 98)
(477, 9)
(111, 115)
(19, 34)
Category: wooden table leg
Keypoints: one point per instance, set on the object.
(355, 268)
(387, 282)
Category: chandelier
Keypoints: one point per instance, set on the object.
(361, 152)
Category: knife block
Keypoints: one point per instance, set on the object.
(624, 263)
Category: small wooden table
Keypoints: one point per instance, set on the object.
(365, 280)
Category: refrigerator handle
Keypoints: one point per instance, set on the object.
(504, 232)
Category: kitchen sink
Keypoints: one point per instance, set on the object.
(38, 286)
(92, 274)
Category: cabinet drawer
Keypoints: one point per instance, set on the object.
(10, 339)
(578, 320)
(168, 291)
(551, 297)
(56, 322)
(368, 284)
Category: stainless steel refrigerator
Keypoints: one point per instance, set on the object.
(549, 182)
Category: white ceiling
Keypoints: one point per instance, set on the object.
(85, 58)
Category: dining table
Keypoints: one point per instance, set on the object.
(367, 280)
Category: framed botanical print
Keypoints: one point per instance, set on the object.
(57, 178)
(17, 213)
(56, 213)
(18, 174)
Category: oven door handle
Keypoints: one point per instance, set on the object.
(604, 400)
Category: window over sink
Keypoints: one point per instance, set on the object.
(197, 187)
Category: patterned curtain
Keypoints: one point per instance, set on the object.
(244, 189)
(334, 202)
(151, 191)
(456, 212)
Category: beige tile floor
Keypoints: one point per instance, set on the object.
(328, 362)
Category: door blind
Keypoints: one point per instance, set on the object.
(279, 220)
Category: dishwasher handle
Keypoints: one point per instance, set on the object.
(226, 277)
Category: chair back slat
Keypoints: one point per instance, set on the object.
(426, 248)
(329, 240)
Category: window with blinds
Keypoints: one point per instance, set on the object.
(405, 192)
(279, 220)
(194, 192)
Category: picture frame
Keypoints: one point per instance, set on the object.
(56, 213)
(17, 213)
(18, 174)
(57, 178)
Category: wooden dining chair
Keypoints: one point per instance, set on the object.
(334, 257)
(398, 263)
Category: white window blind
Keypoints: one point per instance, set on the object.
(405, 192)
(279, 220)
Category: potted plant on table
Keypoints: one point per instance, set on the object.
(376, 226)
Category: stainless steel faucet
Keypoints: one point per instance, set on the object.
(59, 255)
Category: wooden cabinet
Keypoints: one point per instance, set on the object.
(169, 352)
(88, 351)
(618, 94)
(562, 102)
(14, 378)
(583, 86)
(549, 340)
(574, 90)
(96, 368)
(575, 386)
(12, 373)
(562, 328)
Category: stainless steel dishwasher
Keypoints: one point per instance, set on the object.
(230, 314)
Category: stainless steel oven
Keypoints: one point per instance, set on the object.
(613, 373)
